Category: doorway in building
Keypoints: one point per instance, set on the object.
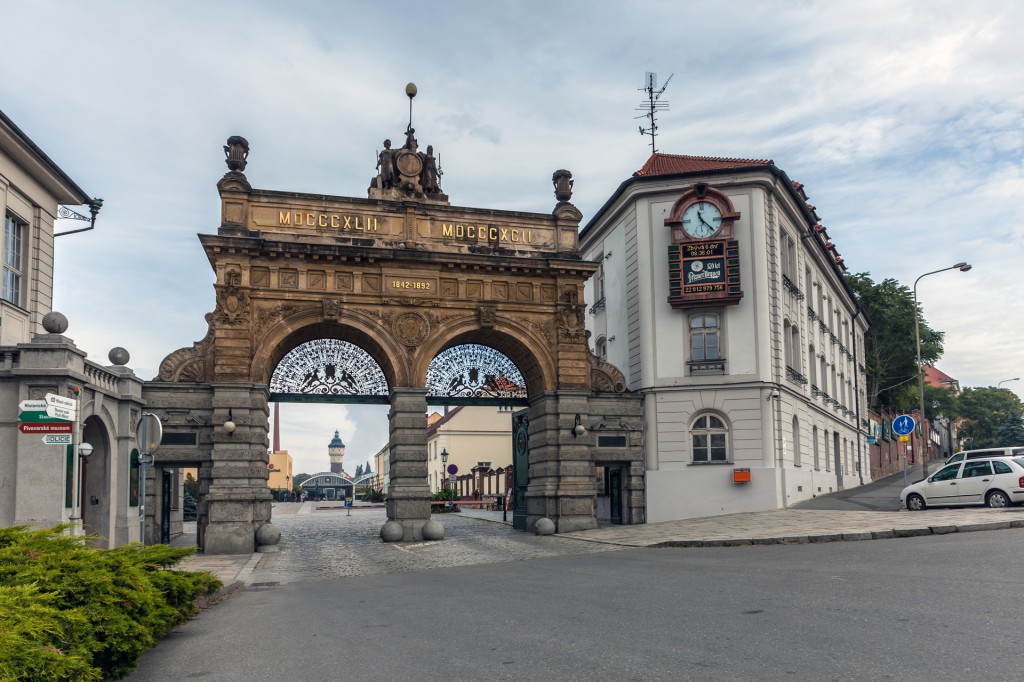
(609, 494)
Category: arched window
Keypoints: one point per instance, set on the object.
(814, 441)
(601, 348)
(704, 337)
(812, 365)
(796, 441)
(787, 351)
(710, 438)
(794, 345)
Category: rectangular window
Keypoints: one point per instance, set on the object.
(14, 234)
(704, 338)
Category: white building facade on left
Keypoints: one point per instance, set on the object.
(47, 483)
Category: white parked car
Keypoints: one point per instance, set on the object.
(997, 482)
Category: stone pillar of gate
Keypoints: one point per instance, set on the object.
(409, 494)
(237, 503)
(561, 467)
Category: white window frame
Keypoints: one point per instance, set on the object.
(15, 231)
(709, 425)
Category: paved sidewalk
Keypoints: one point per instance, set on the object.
(783, 526)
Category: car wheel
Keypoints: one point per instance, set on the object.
(997, 499)
(915, 502)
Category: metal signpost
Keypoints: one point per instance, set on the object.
(147, 437)
(452, 470)
(903, 426)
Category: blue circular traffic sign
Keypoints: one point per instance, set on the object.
(452, 469)
(903, 425)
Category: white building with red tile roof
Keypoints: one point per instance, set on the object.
(721, 298)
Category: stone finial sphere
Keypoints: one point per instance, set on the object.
(544, 526)
(433, 530)
(55, 323)
(268, 534)
(118, 356)
(392, 531)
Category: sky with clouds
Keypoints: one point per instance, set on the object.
(904, 121)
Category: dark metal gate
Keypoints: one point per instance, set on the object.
(520, 466)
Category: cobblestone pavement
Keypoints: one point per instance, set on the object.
(329, 544)
(319, 542)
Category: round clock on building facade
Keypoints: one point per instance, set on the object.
(702, 219)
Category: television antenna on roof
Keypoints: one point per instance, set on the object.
(652, 105)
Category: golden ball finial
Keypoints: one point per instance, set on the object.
(410, 90)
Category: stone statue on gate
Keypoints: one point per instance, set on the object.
(407, 173)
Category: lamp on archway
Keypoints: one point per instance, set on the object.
(578, 429)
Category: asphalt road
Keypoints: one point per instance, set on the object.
(934, 608)
(880, 495)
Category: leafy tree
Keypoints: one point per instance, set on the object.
(299, 479)
(984, 413)
(191, 486)
(890, 354)
(938, 402)
(1011, 433)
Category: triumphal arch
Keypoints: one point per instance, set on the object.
(358, 299)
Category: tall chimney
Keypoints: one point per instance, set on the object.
(277, 427)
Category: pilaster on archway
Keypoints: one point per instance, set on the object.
(403, 275)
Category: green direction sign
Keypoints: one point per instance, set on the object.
(37, 416)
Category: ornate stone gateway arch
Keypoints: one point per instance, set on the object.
(402, 276)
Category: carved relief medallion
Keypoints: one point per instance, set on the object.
(410, 329)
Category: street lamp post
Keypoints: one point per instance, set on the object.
(1000, 384)
(442, 484)
(962, 267)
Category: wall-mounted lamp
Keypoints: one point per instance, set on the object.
(774, 394)
(84, 450)
(230, 425)
(578, 429)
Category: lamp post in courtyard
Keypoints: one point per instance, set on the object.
(1000, 384)
(443, 483)
(962, 267)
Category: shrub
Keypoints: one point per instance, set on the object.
(95, 611)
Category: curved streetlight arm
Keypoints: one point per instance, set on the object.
(1000, 384)
(962, 267)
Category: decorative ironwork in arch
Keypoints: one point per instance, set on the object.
(328, 370)
(475, 374)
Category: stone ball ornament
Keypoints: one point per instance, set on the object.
(544, 526)
(392, 531)
(433, 530)
(118, 356)
(268, 535)
(55, 323)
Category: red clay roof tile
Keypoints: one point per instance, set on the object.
(670, 164)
